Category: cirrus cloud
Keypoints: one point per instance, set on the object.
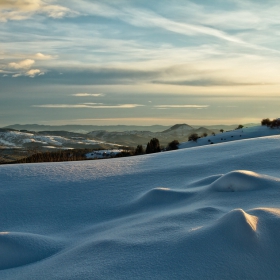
(91, 106)
(180, 106)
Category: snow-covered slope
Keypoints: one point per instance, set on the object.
(19, 139)
(233, 135)
(209, 212)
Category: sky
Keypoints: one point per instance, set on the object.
(139, 62)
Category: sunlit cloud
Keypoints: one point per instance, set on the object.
(85, 105)
(92, 103)
(24, 64)
(33, 72)
(23, 9)
(88, 94)
(41, 56)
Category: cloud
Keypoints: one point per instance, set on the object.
(100, 76)
(207, 82)
(41, 56)
(180, 106)
(85, 105)
(24, 64)
(88, 94)
(24, 67)
(23, 9)
(146, 18)
(199, 21)
(33, 72)
(92, 103)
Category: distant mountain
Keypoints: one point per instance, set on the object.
(86, 128)
(178, 129)
(78, 136)
(179, 132)
(119, 128)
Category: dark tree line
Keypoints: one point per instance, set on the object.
(153, 146)
(271, 123)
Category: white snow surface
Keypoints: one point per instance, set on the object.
(210, 212)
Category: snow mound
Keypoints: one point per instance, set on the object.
(161, 196)
(243, 180)
(238, 223)
(19, 249)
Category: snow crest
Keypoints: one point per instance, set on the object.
(243, 180)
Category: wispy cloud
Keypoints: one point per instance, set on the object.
(88, 94)
(23, 9)
(146, 18)
(92, 103)
(180, 106)
(41, 56)
(86, 105)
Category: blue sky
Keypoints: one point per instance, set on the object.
(139, 62)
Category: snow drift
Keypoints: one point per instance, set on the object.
(209, 212)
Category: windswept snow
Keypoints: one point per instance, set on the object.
(209, 212)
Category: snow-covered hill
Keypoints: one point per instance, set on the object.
(233, 135)
(210, 212)
(47, 140)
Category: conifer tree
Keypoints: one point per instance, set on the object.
(139, 150)
(153, 146)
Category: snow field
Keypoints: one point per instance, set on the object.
(209, 212)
